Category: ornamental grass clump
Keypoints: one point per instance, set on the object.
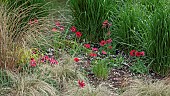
(156, 41)
(144, 25)
(41, 9)
(147, 88)
(88, 16)
(14, 30)
(128, 24)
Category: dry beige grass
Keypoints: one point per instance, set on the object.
(148, 88)
(14, 32)
(29, 85)
(8, 48)
(64, 79)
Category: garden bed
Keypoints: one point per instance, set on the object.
(84, 48)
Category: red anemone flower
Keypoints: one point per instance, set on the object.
(73, 29)
(62, 28)
(35, 20)
(54, 29)
(105, 23)
(76, 59)
(53, 61)
(133, 52)
(104, 52)
(30, 22)
(95, 49)
(81, 84)
(32, 62)
(78, 34)
(87, 45)
(138, 54)
(93, 54)
(57, 23)
(109, 41)
(109, 47)
(102, 43)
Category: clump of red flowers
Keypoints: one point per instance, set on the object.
(34, 21)
(58, 25)
(74, 29)
(76, 59)
(81, 84)
(46, 58)
(136, 53)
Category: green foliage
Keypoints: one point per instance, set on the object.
(117, 62)
(144, 25)
(157, 40)
(139, 67)
(100, 69)
(88, 16)
(5, 80)
(57, 40)
(128, 24)
(24, 55)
